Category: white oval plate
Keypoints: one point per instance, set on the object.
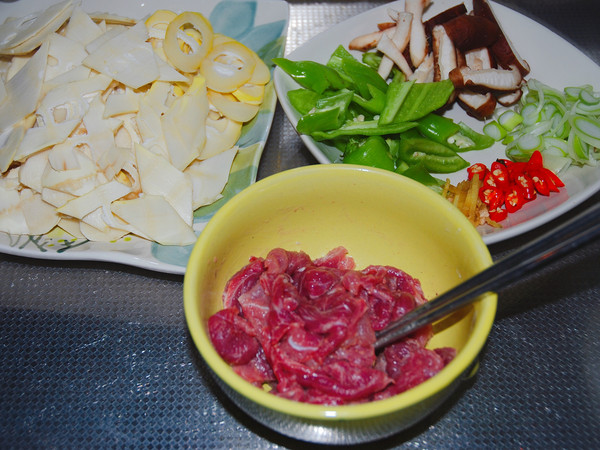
(260, 25)
(553, 61)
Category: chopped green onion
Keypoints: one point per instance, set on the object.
(494, 130)
(509, 119)
(572, 92)
(555, 146)
(556, 163)
(559, 124)
(587, 129)
(587, 110)
(540, 128)
(531, 114)
(529, 142)
(508, 139)
(588, 97)
(578, 150)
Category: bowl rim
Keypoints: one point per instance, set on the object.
(455, 369)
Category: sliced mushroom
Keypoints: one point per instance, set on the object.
(509, 98)
(399, 40)
(478, 58)
(480, 106)
(369, 41)
(443, 17)
(477, 104)
(503, 50)
(418, 39)
(444, 54)
(494, 79)
(424, 73)
(385, 25)
(365, 42)
(468, 32)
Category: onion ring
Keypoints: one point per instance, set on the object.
(228, 66)
(187, 62)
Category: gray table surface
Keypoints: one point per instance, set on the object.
(98, 354)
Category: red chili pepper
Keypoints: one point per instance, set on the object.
(514, 200)
(491, 196)
(536, 160)
(516, 169)
(553, 177)
(506, 162)
(526, 184)
(478, 169)
(489, 181)
(508, 185)
(540, 182)
(498, 214)
(500, 173)
(549, 181)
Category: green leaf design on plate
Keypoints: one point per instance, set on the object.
(261, 35)
(234, 19)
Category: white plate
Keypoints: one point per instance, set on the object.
(260, 25)
(553, 61)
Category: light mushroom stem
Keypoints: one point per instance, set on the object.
(418, 38)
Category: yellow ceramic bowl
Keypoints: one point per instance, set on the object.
(381, 218)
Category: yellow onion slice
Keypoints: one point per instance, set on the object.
(219, 39)
(228, 66)
(158, 22)
(261, 74)
(229, 106)
(188, 62)
(250, 93)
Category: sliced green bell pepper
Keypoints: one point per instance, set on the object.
(303, 100)
(435, 157)
(312, 75)
(424, 98)
(474, 140)
(397, 93)
(366, 128)
(329, 113)
(360, 74)
(372, 59)
(375, 104)
(437, 128)
(458, 136)
(372, 152)
(419, 173)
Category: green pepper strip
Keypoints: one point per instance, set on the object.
(437, 128)
(329, 113)
(372, 59)
(377, 102)
(419, 173)
(396, 95)
(366, 128)
(434, 156)
(424, 98)
(458, 136)
(303, 100)
(312, 75)
(479, 140)
(372, 152)
(360, 74)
